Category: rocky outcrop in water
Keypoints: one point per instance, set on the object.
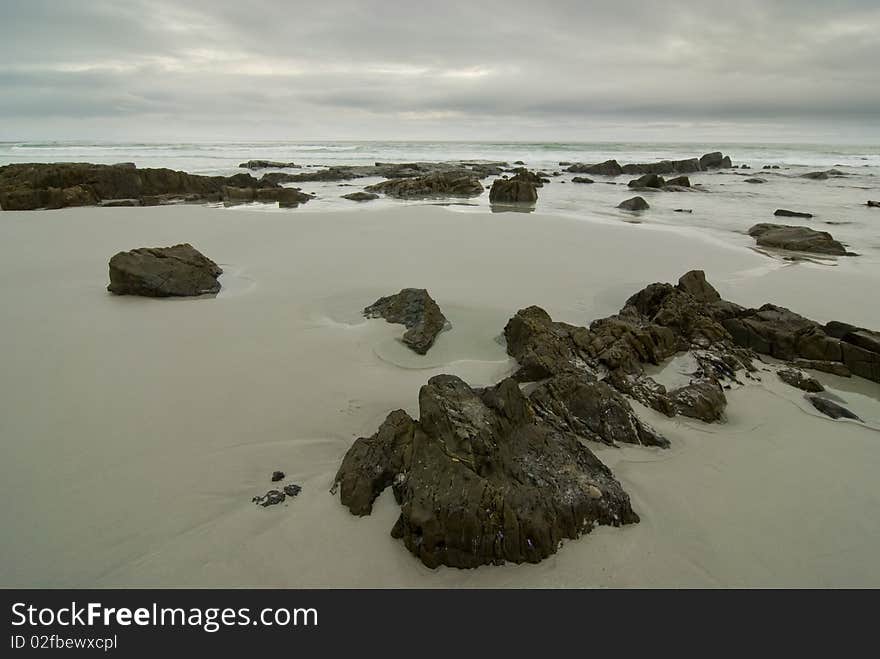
(437, 184)
(417, 311)
(61, 185)
(582, 179)
(782, 212)
(634, 204)
(797, 239)
(873, 204)
(607, 168)
(177, 271)
(480, 479)
(268, 164)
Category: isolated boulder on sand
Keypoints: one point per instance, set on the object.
(634, 204)
(414, 309)
(513, 190)
(479, 479)
(177, 271)
(798, 239)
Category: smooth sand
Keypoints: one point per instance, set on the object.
(136, 431)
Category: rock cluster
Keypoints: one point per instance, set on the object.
(268, 164)
(437, 184)
(709, 161)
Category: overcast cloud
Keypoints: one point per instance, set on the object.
(269, 69)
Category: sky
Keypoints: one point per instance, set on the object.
(736, 70)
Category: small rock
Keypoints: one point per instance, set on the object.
(755, 180)
(584, 179)
(634, 204)
(414, 309)
(781, 212)
(873, 204)
(830, 408)
(292, 489)
(800, 380)
(684, 210)
(277, 476)
(360, 196)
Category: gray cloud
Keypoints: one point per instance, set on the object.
(491, 70)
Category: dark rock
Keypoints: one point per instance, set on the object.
(607, 168)
(518, 162)
(119, 203)
(437, 184)
(277, 476)
(755, 180)
(268, 164)
(679, 182)
(634, 204)
(712, 160)
(694, 284)
(702, 399)
(781, 212)
(796, 238)
(513, 191)
(835, 368)
(581, 179)
(684, 210)
(480, 480)
(648, 181)
(360, 196)
(726, 163)
(274, 179)
(873, 204)
(271, 498)
(800, 380)
(180, 270)
(414, 309)
(292, 489)
(688, 166)
(816, 176)
(830, 408)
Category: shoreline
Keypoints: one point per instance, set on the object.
(141, 428)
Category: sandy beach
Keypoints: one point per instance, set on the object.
(136, 431)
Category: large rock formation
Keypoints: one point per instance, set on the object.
(480, 479)
(35, 186)
(688, 166)
(798, 239)
(437, 184)
(414, 309)
(177, 271)
(715, 160)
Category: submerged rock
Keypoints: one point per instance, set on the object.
(781, 212)
(180, 270)
(797, 238)
(831, 409)
(634, 204)
(414, 309)
(480, 479)
(360, 196)
(437, 184)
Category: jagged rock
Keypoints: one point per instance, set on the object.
(538, 179)
(277, 476)
(592, 410)
(513, 190)
(798, 239)
(479, 479)
(437, 184)
(33, 186)
(581, 179)
(360, 196)
(414, 309)
(781, 212)
(800, 380)
(701, 399)
(119, 203)
(648, 181)
(835, 368)
(180, 270)
(634, 204)
(607, 168)
(268, 164)
(830, 408)
(694, 284)
(275, 497)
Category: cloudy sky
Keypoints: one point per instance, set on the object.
(476, 70)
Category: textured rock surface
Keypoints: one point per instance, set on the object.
(180, 270)
(479, 479)
(831, 409)
(800, 380)
(798, 239)
(267, 164)
(513, 191)
(414, 309)
(437, 184)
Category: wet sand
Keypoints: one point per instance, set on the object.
(136, 431)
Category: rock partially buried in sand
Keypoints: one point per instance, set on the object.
(634, 204)
(417, 311)
(782, 212)
(831, 409)
(800, 380)
(755, 180)
(178, 271)
(479, 479)
(360, 196)
(798, 239)
(274, 497)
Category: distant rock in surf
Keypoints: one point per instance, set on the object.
(268, 164)
(437, 184)
(360, 196)
(781, 212)
(634, 204)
